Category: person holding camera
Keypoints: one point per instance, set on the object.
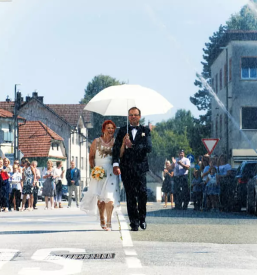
(181, 166)
(49, 185)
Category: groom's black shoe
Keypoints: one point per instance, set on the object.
(143, 225)
(134, 228)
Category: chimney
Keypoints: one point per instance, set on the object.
(28, 98)
(41, 99)
(35, 94)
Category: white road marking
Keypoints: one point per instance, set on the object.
(132, 262)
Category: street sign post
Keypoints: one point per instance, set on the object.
(210, 144)
(191, 158)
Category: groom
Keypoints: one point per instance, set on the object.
(133, 166)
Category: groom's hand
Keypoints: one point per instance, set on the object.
(127, 141)
(116, 170)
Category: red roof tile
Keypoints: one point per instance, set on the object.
(5, 113)
(35, 139)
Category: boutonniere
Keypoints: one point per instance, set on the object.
(143, 134)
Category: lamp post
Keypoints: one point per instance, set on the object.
(15, 114)
(227, 80)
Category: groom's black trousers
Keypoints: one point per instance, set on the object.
(136, 193)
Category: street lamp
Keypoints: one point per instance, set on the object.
(227, 75)
(15, 114)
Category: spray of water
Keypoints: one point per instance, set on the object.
(175, 43)
(222, 106)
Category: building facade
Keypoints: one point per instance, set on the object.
(70, 121)
(234, 83)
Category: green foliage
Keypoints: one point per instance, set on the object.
(181, 132)
(166, 146)
(246, 20)
(97, 84)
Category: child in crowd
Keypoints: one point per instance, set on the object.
(212, 190)
(15, 184)
(197, 189)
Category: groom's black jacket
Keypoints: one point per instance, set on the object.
(134, 160)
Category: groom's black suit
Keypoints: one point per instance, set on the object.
(133, 166)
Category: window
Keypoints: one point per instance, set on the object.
(220, 79)
(220, 126)
(225, 75)
(249, 68)
(57, 147)
(249, 118)
(230, 69)
(216, 83)
(212, 84)
(82, 163)
(72, 138)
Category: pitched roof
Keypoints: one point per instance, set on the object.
(6, 114)
(71, 112)
(8, 106)
(35, 139)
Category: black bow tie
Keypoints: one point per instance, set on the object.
(133, 127)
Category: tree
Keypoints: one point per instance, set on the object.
(246, 20)
(97, 84)
(166, 146)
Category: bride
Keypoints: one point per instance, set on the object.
(103, 192)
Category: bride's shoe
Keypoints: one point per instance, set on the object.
(102, 224)
(108, 226)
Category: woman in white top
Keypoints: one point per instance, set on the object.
(58, 176)
(15, 180)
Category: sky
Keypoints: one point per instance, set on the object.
(58, 46)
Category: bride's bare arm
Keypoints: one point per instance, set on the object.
(92, 154)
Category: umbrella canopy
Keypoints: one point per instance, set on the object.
(117, 100)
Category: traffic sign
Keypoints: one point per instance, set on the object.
(191, 158)
(210, 144)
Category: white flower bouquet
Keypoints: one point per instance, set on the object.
(98, 173)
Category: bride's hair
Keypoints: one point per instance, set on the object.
(108, 122)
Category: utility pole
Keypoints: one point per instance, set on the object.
(227, 141)
(15, 114)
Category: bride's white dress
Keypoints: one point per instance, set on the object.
(106, 189)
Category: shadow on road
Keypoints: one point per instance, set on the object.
(190, 213)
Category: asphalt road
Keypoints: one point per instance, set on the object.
(175, 242)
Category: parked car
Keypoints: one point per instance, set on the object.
(251, 203)
(65, 193)
(245, 172)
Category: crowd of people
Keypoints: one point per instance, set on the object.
(19, 185)
(211, 187)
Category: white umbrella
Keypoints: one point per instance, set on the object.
(117, 100)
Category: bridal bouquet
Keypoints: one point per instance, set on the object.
(98, 173)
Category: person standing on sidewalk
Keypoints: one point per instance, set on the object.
(58, 175)
(181, 166)
(73, 179)
(36, 187)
